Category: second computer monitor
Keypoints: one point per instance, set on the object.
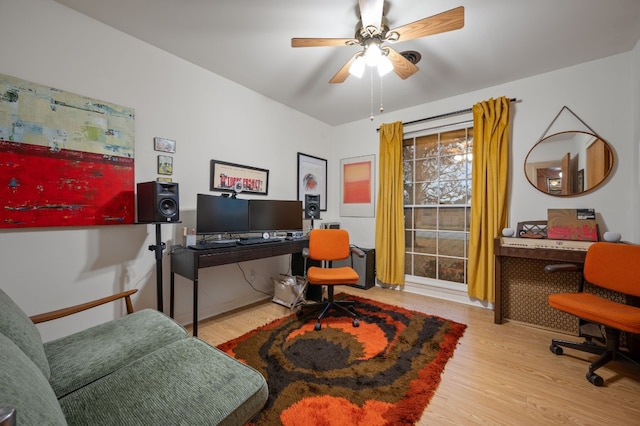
(275, 215)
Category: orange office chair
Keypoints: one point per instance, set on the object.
(614, 267)
(327, 245)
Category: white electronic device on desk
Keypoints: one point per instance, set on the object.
(543, 243)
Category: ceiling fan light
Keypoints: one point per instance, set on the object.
(384, 66)
(373, 54)
(357, 67)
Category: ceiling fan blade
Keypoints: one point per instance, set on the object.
(446, 21)
(343, 73)
(320, 42)
(371, 12)
(401, 65)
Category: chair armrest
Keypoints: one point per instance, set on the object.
(48, 316)
(562, 267)
(357, 251)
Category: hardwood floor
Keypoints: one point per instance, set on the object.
(499, 375)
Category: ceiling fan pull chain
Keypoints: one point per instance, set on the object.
(381, 106)
(371, 99)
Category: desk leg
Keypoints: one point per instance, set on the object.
(195, 307)
(497, 290)
(172, 284)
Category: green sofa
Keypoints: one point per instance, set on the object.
(140, 369)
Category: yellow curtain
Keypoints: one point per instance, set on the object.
(389, 212)
(489, 192)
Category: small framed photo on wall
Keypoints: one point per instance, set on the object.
(164, 145)
(165, 165)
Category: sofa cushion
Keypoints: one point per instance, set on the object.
(16, 325)
(187, 382)
(81, 358)
(24, 387)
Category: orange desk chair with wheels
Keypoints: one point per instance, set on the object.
(615, 267)
(328, 245)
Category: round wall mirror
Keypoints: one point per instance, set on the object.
(568, 163)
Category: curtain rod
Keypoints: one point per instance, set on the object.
(435, 117)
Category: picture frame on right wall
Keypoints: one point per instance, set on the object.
(357, 186)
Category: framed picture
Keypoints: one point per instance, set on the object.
(165, 165)
(312, 178)
(357, 184)
(41, 156)
(554, 185)
(580, 181)
(164, 145)
(230, 177)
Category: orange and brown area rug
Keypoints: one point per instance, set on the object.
(383, 372)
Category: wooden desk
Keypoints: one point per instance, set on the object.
(522, 286)
(186, 262)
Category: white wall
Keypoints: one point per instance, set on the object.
(209, 117)
(635, 94)
(599, 92)
(213, 118)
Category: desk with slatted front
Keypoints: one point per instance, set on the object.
(522, 286)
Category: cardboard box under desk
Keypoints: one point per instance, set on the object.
(572, 224)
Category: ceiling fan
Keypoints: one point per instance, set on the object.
(372, 32)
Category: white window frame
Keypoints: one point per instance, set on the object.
(432, 282)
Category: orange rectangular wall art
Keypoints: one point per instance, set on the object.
(357, 183)
(357, 186)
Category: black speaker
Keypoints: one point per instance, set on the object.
(158, 202)
(364, 266)
(312, 206)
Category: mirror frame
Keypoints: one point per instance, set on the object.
(548, 173)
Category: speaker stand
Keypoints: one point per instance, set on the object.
(158, 248)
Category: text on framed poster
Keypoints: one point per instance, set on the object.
(230, 177)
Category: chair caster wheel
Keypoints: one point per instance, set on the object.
(594, 379)
(555, 349)
(318, 326)
(299, 313)
(356, 323)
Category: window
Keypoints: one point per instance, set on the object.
(437, 201)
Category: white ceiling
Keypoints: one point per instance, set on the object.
(249, 42)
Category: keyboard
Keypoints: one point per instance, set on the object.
(252, 241)
(208, 245)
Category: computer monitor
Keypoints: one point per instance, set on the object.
(221, 215)
(275, 215)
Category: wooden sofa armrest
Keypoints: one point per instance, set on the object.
(48, 316)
